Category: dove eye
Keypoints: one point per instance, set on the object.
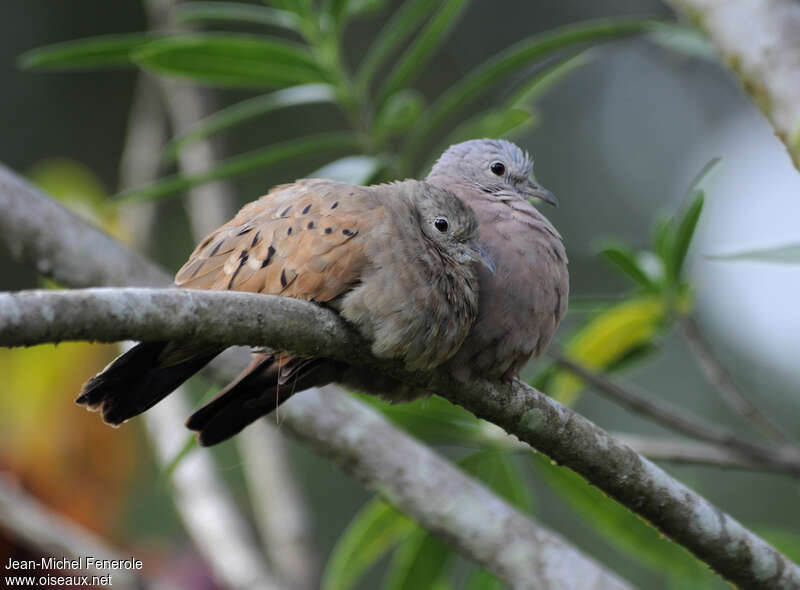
(441, 224)
(498, 168)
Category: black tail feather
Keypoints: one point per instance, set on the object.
(138, 380)
(265, 384)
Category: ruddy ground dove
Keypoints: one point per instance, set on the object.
(396, 260)
(388, 281)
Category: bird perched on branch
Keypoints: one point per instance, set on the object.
(396, 260)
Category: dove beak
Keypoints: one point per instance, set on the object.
(533, 191)
(483, 256)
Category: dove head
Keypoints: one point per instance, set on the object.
(451, 224)
(494, 166)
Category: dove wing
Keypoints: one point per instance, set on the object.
(302, 240)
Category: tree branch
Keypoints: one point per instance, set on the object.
(760, 42)
(724, 383)
(235, 318)
(784, 458)
(110, 256)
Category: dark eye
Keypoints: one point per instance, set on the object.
(498, 168)
(441, 224)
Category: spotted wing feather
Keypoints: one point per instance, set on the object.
(300, 240)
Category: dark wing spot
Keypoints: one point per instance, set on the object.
(196, 270)
(268, 259)
(306, 208)
(244, 230)
(348, 232)
(335, 204)
(255, 239)
(242, 260)
(289, 232)
(328, 230)
(310, 225)
(217, 247)
(283, 278)
(285, 211)
(243, 255)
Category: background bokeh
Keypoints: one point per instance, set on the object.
(618, 142)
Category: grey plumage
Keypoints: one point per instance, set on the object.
(522, 303)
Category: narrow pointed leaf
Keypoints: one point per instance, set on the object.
(625, 260)
(542, 82)
(683, 39)
(497, 470)
(620, 527)
(240, 112)
(685, 232)
(234, 12)
(244, 163)
(786, 254)
(106, 51)
(420, 562)
(231, 60)
(511, 61)
(374, 531)
(417, 56)
(341, 11)
(402, 24)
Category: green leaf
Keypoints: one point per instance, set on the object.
(352, 169)
(400, 26)
(786, 254)
(170, 466)
(663, 239)
(435, 420)
(234, 12)
(513, 60)
(341, 11)
(402, 110)
(231, 60)
(684, 234)
(106, 51)
(372, 533)
(620, 527)
(542, 82)
(682, 39)
(419, 562)
(244, 163)
(497, 470)
(413, 61)
(609, 338)
(483, 580)
(240, 112)
(625, 260)
(491, 123)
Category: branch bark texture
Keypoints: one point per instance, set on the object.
(760, 42)
(108, 256)
(567, 437)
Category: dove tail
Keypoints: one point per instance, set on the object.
(139, 379)
(265, 384)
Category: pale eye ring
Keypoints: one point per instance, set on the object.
(498, 168)
(441, 224)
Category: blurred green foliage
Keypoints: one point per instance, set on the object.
(393, 131)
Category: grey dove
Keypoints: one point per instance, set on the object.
(394, 260)
(522, 296)
(522, 302)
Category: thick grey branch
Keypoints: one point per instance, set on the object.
(570, 439)
(108, 255)
(760, 41)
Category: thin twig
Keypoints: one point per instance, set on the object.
(786, 458)
(724, 383)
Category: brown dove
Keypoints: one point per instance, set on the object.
(394, 260)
